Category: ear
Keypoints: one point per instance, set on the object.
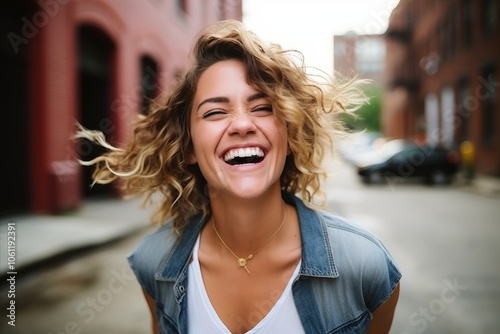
(288, 150)
(191, 159)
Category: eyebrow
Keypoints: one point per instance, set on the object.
(256, 96)
(222, 99)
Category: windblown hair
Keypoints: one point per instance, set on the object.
(156, 158)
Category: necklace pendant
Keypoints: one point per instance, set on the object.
(242, 262)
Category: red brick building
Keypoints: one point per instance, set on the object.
(92, 61)
(442, 75)
(362, 56)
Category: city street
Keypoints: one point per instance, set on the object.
(92, 292)
(444, 239)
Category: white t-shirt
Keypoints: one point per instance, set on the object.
(202, 317)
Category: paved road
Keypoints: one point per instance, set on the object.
(95, 292)
(445, 240)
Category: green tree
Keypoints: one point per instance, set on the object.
(367, 117)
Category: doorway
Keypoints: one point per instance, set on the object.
(14, 50)
(96, 53)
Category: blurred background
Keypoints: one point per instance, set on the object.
(421, 169)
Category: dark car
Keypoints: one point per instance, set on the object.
(397, 160)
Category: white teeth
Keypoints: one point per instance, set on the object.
(243, 153)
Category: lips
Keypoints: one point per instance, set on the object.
(244, 155)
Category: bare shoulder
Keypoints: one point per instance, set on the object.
(383, 316)
(152, 308)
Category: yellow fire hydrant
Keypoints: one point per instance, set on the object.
(468, 151)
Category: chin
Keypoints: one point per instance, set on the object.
(251, 189)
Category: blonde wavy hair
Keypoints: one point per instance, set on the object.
(156, 158)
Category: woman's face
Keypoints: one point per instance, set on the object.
(238, 143)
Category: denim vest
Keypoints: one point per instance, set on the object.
(345, 274)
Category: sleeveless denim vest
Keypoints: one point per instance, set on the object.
(346, 272)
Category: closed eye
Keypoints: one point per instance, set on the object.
(264, 108)
(213, 113)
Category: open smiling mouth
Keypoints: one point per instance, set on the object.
(244, 156)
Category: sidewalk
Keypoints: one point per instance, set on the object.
(41, 237)
(487, 185)
(481, 184)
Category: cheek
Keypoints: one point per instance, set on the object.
(197, 143)
(204, 139)
(276, 132)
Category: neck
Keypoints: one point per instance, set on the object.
(244, 224)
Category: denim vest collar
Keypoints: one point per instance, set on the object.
(317, 256)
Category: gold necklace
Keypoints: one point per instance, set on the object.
(243, 261)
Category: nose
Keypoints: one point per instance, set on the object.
(242, 124)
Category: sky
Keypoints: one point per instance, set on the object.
(309, 25)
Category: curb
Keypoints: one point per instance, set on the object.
(481, 184)
(36, 239)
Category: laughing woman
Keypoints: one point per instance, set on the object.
(236, 153)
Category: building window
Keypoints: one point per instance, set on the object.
(464, 109)
(447, 116)
(149, 83)
(489, 16)
(183, 6)
(432, 118)
(488, 97)
(468, 14)
(443, 39)
(448, 33)
(452, 31)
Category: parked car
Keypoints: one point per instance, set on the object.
(359, 143)
(398, 160)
